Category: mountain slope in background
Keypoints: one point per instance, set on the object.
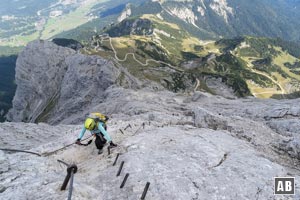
(164, 52)
(22, 22)
(228, 18)
(211, 19)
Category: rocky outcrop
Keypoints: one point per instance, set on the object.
(205, 119)
(268, 123)
(222, 9)
(40, 69)
(285, 120)
(132, 27)
(125, 13)
(55, 82)
(184, 13)
(70, 43)
(83, 85)
(290, 147)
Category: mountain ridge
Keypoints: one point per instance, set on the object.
(230, 18)
(235, 61)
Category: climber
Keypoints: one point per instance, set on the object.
(96, 124)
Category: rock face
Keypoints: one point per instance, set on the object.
(205, 119)
(210, 18)
(40, 70)
(132, 26)
(125, 13)
(49, 77)
(187, 147)
(83, 85)
(70, 43)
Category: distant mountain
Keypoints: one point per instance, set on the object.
(229, 18)
(24, 21)
(155, 49)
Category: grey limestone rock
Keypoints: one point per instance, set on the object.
(83, 86)
(55, 82)
(4, 163)
(290, 147)
(286, 127)
(40, 70)
(206, 119)
(282, 111)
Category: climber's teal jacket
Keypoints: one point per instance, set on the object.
(96, 131)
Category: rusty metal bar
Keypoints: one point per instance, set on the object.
(72, 169)
(124, 180)
(116, 159)
(145, 191)
(66, 181)
(128, 126)
(120, 168)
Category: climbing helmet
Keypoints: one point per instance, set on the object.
(89, 124)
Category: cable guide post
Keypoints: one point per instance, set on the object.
(116, 159)
(120, 168)
(71, 170)
(128, 126)
(145, 191)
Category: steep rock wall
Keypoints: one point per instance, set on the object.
(54, 82)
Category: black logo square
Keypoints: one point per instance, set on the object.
(284, 185)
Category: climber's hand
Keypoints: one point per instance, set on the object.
(78, 142)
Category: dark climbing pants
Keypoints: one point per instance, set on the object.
(100, 141)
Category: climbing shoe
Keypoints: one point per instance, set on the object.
(111, 144)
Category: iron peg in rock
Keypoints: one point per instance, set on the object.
(72, 168)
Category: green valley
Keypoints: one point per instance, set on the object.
(164, 52)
